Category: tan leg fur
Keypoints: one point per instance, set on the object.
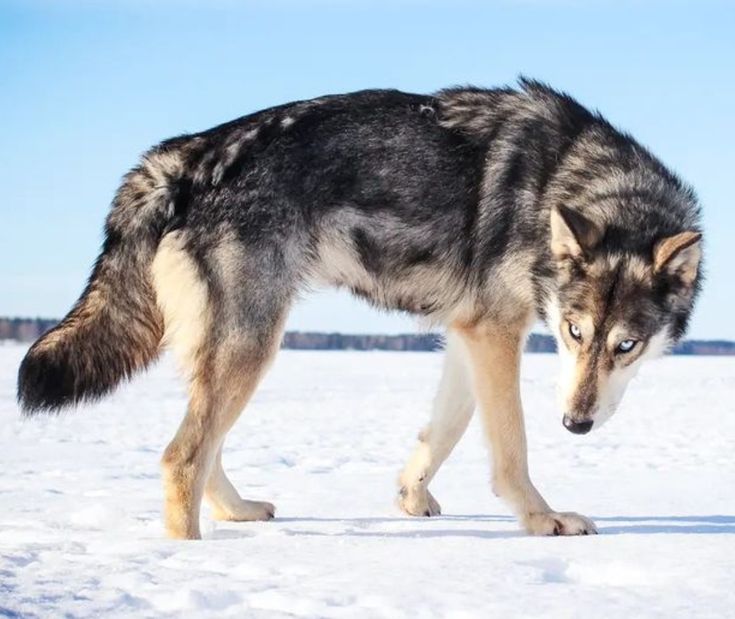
(223, 371)
(494, 354)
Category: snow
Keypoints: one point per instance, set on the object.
(324, 439)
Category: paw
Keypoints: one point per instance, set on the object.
(558, 523)
(245, 511)
(418, 502)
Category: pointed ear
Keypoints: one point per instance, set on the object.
(572, 234)
(679, 255)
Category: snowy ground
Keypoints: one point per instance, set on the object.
(80, 529)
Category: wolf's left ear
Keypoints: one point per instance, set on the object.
(572, 234)
(679, 255)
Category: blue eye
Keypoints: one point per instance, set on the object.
(575, 331)
(626, 346)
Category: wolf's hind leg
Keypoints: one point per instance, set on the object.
(226, 502)
(225, 329)
(451, 413)
(222, 383)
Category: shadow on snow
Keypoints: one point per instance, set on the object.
(619, 525)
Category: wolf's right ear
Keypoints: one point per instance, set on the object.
(679, 255)
(572, 234)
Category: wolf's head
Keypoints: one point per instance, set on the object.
(614, 305)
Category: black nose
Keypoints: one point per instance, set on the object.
(578, 427)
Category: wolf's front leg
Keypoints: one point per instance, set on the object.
(494, 353)
(452, 411)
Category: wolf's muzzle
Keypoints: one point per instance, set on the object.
(577, 427)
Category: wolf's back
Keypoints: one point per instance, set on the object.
(115, 328)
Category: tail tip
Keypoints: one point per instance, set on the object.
(44, 384)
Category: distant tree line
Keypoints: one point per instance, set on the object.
(28, 329)
(298, 340)
(24, 329)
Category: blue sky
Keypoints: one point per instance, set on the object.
(86, 86)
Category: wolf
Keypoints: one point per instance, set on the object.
(480, 210)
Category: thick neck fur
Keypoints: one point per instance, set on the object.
(544, 149)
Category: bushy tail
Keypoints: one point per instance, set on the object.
(116, 327)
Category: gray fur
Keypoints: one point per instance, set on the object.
(435, 205)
